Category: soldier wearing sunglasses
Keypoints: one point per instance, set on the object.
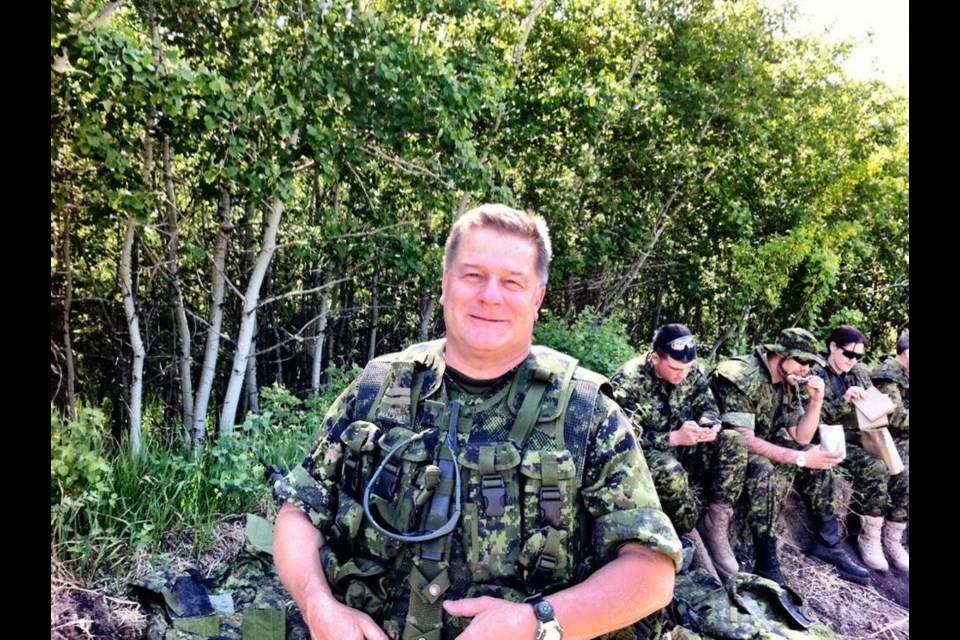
(758, 395)
(665, 393)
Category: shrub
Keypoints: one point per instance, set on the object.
(600, 344)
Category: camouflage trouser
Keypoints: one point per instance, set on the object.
(898, 503)
(763, 498)
(869, 478)
(718, 468)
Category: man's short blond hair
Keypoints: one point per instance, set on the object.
(524, 224)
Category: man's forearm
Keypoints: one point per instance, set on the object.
(808, 423)
(634, 585)
(296, 553)
(770, 451)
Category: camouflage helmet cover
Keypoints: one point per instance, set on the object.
(797, 343)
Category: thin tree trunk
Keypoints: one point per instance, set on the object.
(136, 342)
(251, 297)
(210, 352)
(67, 303)
(253, 392)
(321, 333)
(374, 317)
(426, 313)
(184, 357)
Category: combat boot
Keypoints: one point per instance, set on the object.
(701, 557)
(826, 546)
(869, 543)
(715, 529)
(767, 563)
(893, 545)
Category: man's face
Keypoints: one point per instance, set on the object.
(491, 295)
(670, 369)
(792, 368)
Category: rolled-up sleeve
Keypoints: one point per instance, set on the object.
(312, 485)
(618, 491)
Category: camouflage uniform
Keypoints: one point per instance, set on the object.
(747, 397)
(867, 472)
(893, 379)
(656, 408)
(496, 554)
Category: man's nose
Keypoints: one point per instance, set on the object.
(491, 291)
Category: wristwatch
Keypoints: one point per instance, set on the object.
(801, 459)
(549, 628)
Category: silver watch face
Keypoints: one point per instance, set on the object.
(550, 631)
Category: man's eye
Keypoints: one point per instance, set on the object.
(514, 284)
(472, 276)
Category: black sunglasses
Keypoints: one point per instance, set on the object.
(851, 355)
(804, 361)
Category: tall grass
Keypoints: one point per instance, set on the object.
(107, 503)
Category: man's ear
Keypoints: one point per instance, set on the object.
(540, 296)
(443, 286)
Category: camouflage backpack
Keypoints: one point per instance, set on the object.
(747, 607)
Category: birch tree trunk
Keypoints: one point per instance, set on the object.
(136, 342)
(211, 350)
(251, 297)
(321, 333)
(253, 391)
(426, 314)
(374, 316)
(67, 303)
(184, 357)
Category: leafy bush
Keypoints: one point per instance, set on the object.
(78, 469)
(600, 344)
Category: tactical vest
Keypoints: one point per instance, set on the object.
(521, 463)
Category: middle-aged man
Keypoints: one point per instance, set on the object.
(476, 487)
(758, 396)
(665, 393)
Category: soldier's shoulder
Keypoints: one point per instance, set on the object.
(738, 369)
(632, 369)
(888, 370)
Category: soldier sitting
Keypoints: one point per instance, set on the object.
(757, 395)
(665, 394)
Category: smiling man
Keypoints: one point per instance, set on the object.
(476, 486)
(758, 396)
(664, 392)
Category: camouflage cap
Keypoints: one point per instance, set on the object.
(797, 343)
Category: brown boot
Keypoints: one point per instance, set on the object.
(701, 557)
(893, 546)
(869, 543)
(715, 529)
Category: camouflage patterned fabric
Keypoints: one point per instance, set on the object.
(747, 607)
(491, 554)
(748, 398)
(873, 488)
(244, 601)
(655, 408)
(893, 379)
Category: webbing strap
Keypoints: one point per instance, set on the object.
(430, 578)
(529, 412)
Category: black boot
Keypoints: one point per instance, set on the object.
(826, 546)
(767, 564)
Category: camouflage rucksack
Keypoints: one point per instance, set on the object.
(747, 607)
(245, 601)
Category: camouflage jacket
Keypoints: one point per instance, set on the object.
(655, 406)
(893, 379)
(747, 397)
(835, 409)
(492, 552)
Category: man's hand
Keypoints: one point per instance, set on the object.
(328, 619)
(815, 387)
(817, 458)
(493, 618)
(691, 434)
(854, 393)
